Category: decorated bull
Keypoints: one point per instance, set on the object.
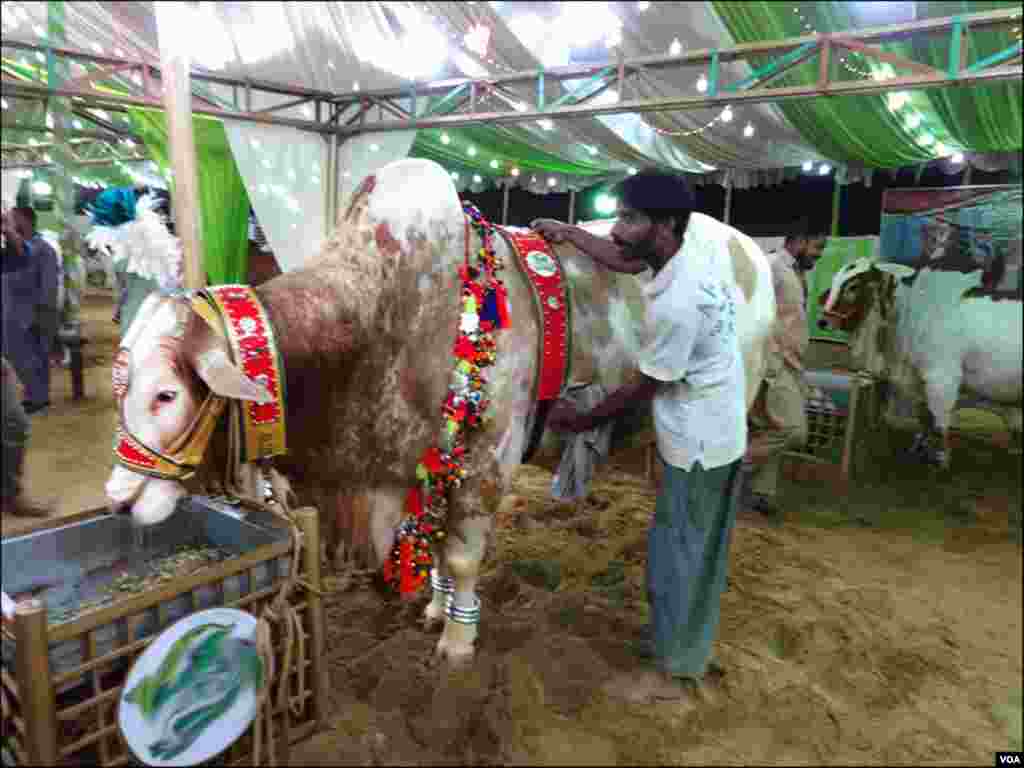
(414, 309)
(936, 335)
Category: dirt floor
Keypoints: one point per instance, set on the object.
(878, 625)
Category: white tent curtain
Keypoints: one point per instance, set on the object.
(284, 173)
(364, 154)
(9, 183)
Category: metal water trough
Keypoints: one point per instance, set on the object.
(52, 655)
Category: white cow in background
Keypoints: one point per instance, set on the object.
(934, 335)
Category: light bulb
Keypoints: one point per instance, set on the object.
(926, 139)
(445, 138)
(824, 169)
(592, 149)
(519, 106)
(355, 86)
(3, 103)
(476, 178)
(941, 150)
(749, 130)
(727, 115)
(455, 175)
(643, 6)
(471, 151)
(546, 124)
(913, 120)
(552, 181)
(898, 100)
(958, 157)
(632, 171)
(515, 172)
(808, 165)
(676, 48)
(702, 84)
(494, 163)
(375, 147)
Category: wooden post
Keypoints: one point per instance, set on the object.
(177, 98)
(572, 205)
(504, 204)
(728, 200)
(309, 522)
(34, 682)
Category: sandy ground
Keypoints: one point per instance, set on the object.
(881, 625)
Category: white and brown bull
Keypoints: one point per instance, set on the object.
(366, 331)
(935, 335)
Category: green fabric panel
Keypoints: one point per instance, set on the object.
(223, 200)
(509, 145)
(839, 251)
(982, 119)
(852, 128)
(862, 128)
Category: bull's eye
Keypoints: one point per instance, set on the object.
(168, 396)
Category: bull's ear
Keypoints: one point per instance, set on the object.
(897, 270)
(224, 378)
(207, 353)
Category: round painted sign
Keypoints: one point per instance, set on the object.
(192, 693)
(541, 263)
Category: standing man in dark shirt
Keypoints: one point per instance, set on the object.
(38, 310)
(15, 423)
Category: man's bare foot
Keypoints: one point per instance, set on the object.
(650, 685)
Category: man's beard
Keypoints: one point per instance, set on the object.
(805, 262)
(642, 250)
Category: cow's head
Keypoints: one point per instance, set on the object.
(169, 362)
(854, 291)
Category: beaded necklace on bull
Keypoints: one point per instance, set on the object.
(442, 468)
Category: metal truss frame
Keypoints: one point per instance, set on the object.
(458, 101)
(83, 151)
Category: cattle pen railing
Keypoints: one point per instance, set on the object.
(68, 716)
(842, 412)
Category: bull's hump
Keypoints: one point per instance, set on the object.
(744, 270)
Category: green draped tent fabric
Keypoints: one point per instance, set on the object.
(863, 129)
(223, 201)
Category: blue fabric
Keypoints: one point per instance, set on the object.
(687, 564)
(113, 207)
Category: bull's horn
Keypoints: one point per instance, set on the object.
(227, 380)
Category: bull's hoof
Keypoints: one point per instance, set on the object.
(454, 656)
(456, 647)
(433, 617)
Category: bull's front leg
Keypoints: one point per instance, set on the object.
(464, 553)
(443, 586)
(942, 390)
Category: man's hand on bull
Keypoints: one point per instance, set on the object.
(551, 230)
(565, 418)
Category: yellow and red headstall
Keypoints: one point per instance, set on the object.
(235, 312)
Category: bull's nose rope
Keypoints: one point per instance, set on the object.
(442, 468)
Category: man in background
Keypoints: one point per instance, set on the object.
(14, 422)
(38, 310)
(778, 419)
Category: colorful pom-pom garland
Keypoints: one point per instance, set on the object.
(442, 468)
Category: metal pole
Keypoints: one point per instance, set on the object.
(837, 191)
(728, 200)
(504, 204)
(572, 205)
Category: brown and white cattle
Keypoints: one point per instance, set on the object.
(366, 330)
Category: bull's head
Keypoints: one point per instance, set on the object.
(853, 291)
(169, 365)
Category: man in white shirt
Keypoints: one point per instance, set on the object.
(692, 370)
